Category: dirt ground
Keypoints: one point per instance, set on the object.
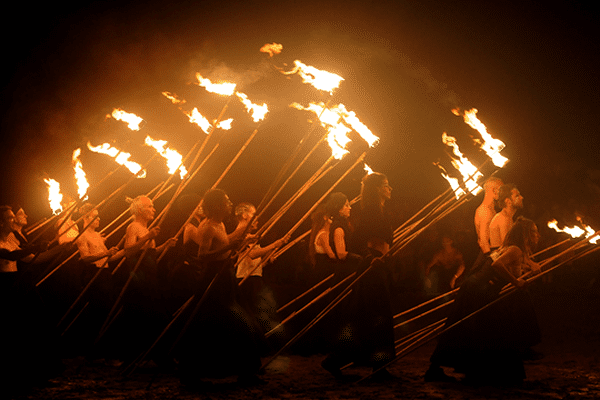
(570, 322)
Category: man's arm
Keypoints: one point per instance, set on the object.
(133, 241)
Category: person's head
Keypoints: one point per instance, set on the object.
(375, 189)
(7, 219)
(523, 234)
(216, 204)
(447, 242)
(20, 216)
(142, 208)
(245, 212)
(509, 196)
(492, 185)
(90, 216)
(337, 205)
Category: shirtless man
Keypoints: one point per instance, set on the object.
(510, 201)
(485, 212)
(213, 241)
(138, 236)
(92, 249)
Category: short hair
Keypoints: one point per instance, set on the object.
(135, 205)
(212, 201)
(504, 192)
(242, 208)
(491, 181)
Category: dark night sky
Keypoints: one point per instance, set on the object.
(529, 68)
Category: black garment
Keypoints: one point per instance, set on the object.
(370, 222)
(364, 333)
(221, 338)
(488, 345)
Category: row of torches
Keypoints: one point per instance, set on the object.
(338, 122)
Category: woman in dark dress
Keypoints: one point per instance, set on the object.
(366, 336)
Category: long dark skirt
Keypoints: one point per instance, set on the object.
(364, 332)
(487, 346)
(221, 339)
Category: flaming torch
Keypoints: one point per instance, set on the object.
(321, 80)
(223, 88)
(82, 183)
(54, 196)
(120, 157)
(271, 48)
(132, 120)
(491, 146)
(469, 172)
(200, 120)
(174, 159)
(256, 111)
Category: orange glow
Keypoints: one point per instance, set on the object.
(223, 88)
(198, 119)
(174, 99)
(82, 183)
(332, 122)
(133, 121)
(225, 124)
(468, 171)
(271, 48)
(257, 112)
(491, 146)
(351, 119)
(321, 80)
(54, 195)
(574, 231)
(454, 184)
(120, 157)
(173, 158)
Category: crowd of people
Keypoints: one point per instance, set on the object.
(205, 311)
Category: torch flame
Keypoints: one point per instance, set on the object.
(133, 121)
(491, 146)
(321, 80)
(332, 122)
(120, 157)
(464, 166)
(225, 124)
(351, 119)
(54, 195)
(368, 169)
(257, 112)
(198, 119)
(224, 88)
(458, 192)
(174, 99)
(174, 159)
(82, 183)
(574, 231)
(271, 48)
